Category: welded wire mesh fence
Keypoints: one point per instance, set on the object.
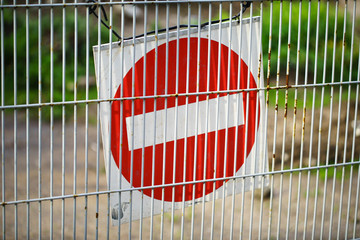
(303, 101)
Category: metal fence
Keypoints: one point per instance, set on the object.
(55, 182)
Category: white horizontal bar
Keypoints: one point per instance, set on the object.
(191, 131)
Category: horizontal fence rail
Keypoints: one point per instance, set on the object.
(180, 119)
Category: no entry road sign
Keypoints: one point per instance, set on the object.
(186, 114)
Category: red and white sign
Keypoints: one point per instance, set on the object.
(199, 131)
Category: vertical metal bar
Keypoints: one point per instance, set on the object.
(15, 122)
(121, 112)
(51, 118)
(304, 107)
(294, 121)
(227, 123)
(196, 120)
(257, 104)
(75, 114)
(352, 157)
(27, 123)
(285, 120)
(265, 147)
(176, 119)
(39, 119)
(155, 102)
(98, 127)
(132, 120)
(267, 114)
(122, 23)
(312, 131)
(2, 121)
(330, 122)
(87, 121)
(217, 123)
(338, 123)
(165, 122)
(246, 120)
(275, 122)
(206, 124)
(186, 117)
(347, 121)
(153, 147)
(304, 117)
(237, 125)
(144, 122)
(110, 119)
(153, 150)
(63, 122)
(321, 114)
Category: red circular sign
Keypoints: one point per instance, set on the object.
(182, 157)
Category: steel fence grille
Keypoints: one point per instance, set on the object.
(61, 143)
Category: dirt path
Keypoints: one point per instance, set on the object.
(80, 185)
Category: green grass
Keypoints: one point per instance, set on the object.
(168, 217)
(45, 74)
(309, 97)
(331, 171)
(312, 39)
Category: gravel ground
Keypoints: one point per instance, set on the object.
(280, 193)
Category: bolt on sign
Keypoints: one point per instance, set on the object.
(183, 117)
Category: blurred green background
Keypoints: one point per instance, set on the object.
(93, 35)
(312, 21)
